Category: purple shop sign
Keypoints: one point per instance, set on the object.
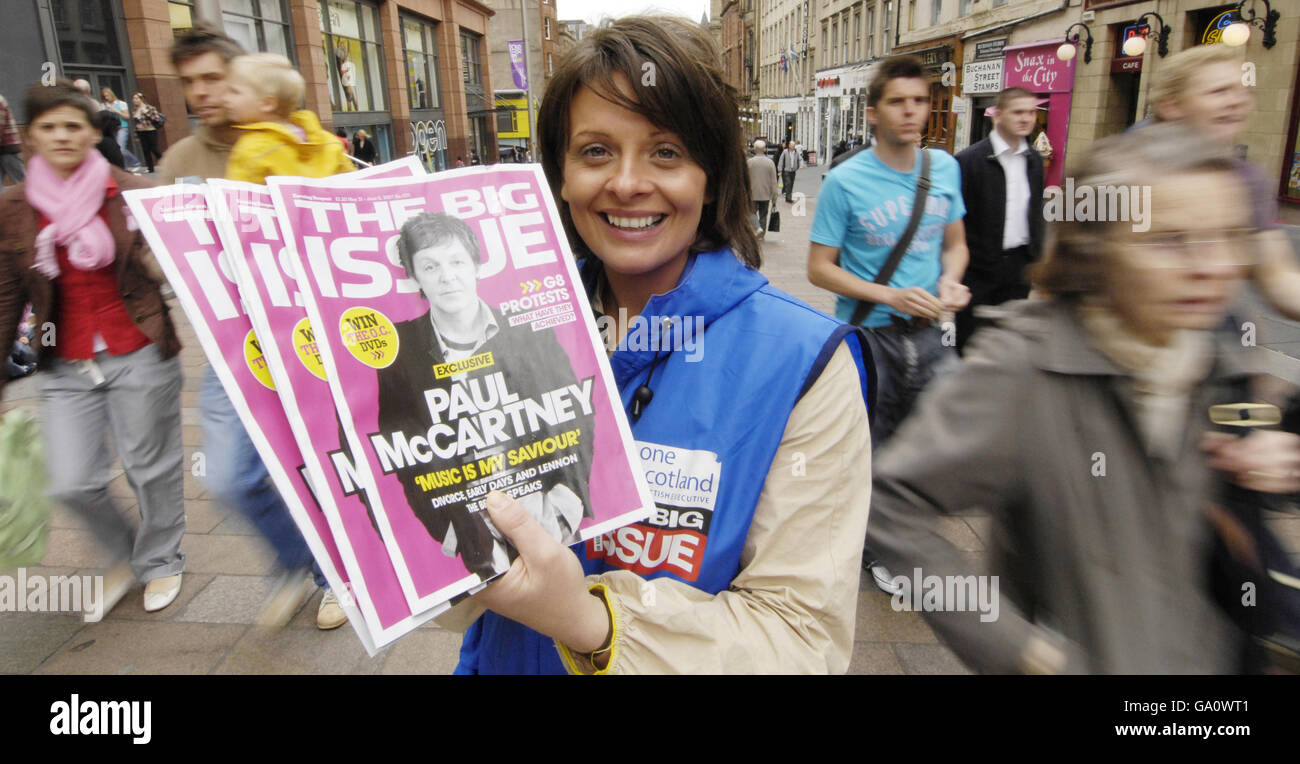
(516, 48)
(1036, 68)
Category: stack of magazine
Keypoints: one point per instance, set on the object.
(397, 345)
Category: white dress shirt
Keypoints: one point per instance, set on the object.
(1015, 225)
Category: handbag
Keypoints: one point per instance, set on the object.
(24, 508)
(157, 118)
(774, 222)
(864, 307)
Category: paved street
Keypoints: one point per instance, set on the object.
(208, 629)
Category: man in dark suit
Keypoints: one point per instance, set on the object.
(442, 254)
(1002, 185)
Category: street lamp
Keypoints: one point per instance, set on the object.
(1237, 34)
(1137, 44)
(1069, 48)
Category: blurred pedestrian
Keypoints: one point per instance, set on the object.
(1076, 422)
(1202, 87)
(1002, 186)
(895, 274)
(66, 246)
(236, 475)
(107, 123)
(118, 108)
(11, 146)
(762, 185)
(788, 164)
(473, 157)
(343, 139)
(148, 121)
(362, 147)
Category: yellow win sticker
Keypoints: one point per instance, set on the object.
(369, 336)
(304, 341)
(256, 361)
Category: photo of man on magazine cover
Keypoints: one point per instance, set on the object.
(529, 431)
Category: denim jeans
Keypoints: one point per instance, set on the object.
(906, 361)
(239, 479)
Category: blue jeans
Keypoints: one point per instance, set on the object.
(239, 479)
(906, 360)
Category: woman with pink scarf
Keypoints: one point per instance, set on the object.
(106, 344)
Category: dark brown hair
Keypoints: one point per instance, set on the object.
(42, 98)
(672, 66)
(1077, 254)
(430, 228)
(204, 39)
(896, 68)
(1010, 94)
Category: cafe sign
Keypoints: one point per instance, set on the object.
(1037, 69)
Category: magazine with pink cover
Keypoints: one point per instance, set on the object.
(462, 356)
(178, 226)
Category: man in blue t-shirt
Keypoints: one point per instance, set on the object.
(862, 212)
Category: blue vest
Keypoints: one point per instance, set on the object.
(706, 440)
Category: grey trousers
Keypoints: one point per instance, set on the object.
(135, 398)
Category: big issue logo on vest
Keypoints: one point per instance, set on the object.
(684, 485)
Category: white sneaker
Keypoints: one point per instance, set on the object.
(330, 614)
(161, 592)
(882, 578)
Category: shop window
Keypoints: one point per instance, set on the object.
(258, 25)
(182, 17)
(90, 36)
(420, 39)
(352, 47)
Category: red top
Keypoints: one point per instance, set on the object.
(90, 303)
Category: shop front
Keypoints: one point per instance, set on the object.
(1036, 68)
(354, 52)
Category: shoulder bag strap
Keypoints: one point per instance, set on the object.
(864, 307)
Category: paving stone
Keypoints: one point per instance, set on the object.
(226, 599)
(298, 651)
(874, 658)
(233, 555)
(424, 651)
(877, 621)
(929, 659)
(137, 647)
(235, 524)
(28, 639)
(203, 515)
(69, 547)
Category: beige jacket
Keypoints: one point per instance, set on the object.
(762, 179)
(792, 606)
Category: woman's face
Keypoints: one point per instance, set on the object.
(634, 194)
(106, 95)
(62, 136)
(137, 100)
(1184, 272)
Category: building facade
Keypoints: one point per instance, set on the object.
(409, 72)
(513, 53)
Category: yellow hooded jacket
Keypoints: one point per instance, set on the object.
(269, 148)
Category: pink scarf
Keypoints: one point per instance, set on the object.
(72, 206)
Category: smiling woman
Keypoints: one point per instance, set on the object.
(756, 447)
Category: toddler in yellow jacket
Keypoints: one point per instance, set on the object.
(261, 93)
